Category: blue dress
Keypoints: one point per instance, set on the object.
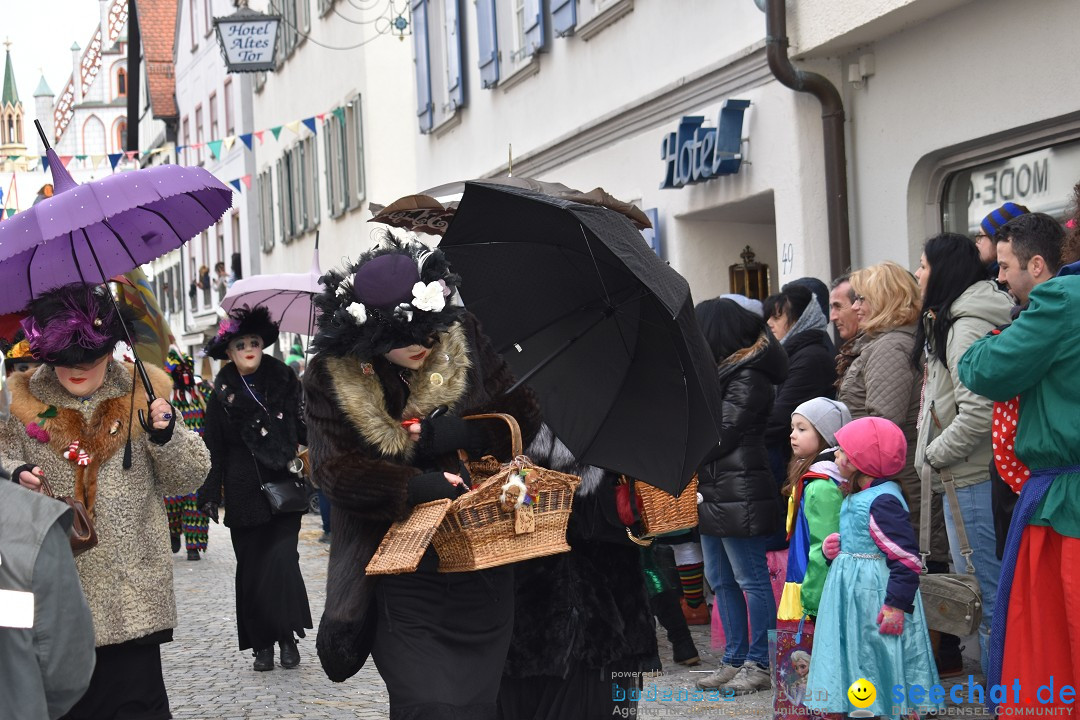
(847, 644)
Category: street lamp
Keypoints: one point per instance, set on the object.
(248, 39)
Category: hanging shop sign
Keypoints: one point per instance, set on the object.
(695, 153)
(248, 40)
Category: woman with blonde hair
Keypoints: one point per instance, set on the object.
(881, 381)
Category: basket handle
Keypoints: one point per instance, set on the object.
(515, 429)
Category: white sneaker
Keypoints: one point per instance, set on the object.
(719, 677)
(751, 678)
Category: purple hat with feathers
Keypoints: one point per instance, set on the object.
(74, 325)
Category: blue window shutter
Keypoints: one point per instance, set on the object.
(534, 27)
(454, 85)
(425, 111)
(489, 42)
(563, 17)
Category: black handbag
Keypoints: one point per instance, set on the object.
(952, 602)
(284, 496)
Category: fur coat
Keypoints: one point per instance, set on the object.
(362, 459)
(238, 431)
(127, 578)
(587, 607)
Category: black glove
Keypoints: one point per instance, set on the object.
(449, 433)
(164, 435)
(431, 486)
(210, 510)
(25, 467)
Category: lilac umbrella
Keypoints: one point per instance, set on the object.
(288, 296)
(93, 232)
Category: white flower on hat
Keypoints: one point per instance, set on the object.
(358, 311)
(405, 310)
(342, 290)
(428, 297)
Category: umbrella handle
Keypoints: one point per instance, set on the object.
(150, 397)
(145, 424)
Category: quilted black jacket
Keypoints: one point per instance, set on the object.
(811, 373)
(740, 497)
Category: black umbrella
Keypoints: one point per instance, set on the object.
(596, 323)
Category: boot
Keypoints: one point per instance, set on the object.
(290, 654)
(666, 607)
(264, 659)
(174, 540)
(192, 554)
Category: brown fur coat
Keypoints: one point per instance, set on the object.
(361, 458)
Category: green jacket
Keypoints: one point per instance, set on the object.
(962, 442)
(1038, 358)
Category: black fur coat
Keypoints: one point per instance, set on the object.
(588, 607)
(362, 458)
(234, 435)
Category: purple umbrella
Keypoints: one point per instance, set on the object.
(288, 296)
(93, 232)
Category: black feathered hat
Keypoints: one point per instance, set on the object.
(396, 295)
(239, 322)
(75, 324)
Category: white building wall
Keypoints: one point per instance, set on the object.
(201, 72)
(940, 89)
(314, 80)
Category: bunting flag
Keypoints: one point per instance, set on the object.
(235, 184)
(259, 134)
(65, 159)
(10, 212)
(276, 131)
(180, 149)
(310, 124)
(339, 113)
(80, 157)
(131, 154)
(294, 126)
(153, 332)
(96, 160)
(215, 148)
(16, 158)
(45, 163)
(228, 142)
(246, 179)
(114, 159)
(246, 139)
(321, 116)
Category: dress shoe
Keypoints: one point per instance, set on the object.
(290, 654)
(264, 659)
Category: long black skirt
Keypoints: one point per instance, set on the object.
(271, 599)
(126, 685)
(441, 641)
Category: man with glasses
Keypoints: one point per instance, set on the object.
(984, 239)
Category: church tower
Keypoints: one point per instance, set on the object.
(12, 121)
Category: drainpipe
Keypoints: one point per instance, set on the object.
(832, 124)
(134, 78)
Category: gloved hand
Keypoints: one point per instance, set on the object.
(830, 546)
(449, 433)
(163, 421)
(890, 620)
(210, 510)
(433, 486)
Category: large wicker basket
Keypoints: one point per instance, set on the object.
(663, 513)
(481, 531)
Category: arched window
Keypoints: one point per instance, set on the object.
(121, 83)
(10, 128)
(121, 135)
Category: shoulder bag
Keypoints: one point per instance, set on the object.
(952, 602)
(82, 535)
(284, 496)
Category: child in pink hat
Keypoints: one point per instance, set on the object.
(870, 623)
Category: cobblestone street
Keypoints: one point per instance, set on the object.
(209, 679)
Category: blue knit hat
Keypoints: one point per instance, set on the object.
(993, 222)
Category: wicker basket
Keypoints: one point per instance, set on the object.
(481, 531)
(404, 544)
(663, 513)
